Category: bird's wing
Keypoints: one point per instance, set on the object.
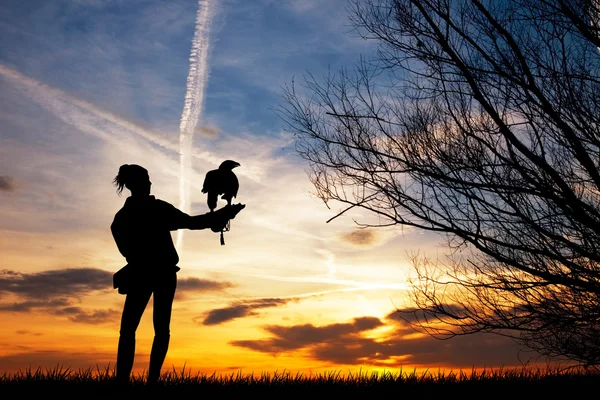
(230, 186)
(235, 184)
(210, 180)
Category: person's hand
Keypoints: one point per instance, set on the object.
(222, 216)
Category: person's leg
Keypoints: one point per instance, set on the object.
(164, 293)
(135, 304)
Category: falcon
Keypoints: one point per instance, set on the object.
(221, 182)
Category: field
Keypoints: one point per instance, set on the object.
(499, 383)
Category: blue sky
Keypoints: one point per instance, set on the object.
(131, 57)
(89, 85)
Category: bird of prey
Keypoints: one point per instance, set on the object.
(221, 182)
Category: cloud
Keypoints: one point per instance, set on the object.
(82, 114)
(368, 238)
(70, 282)
(95, 317)
(303, 6)
(482, 350)
(295, 337)
(199, 285)
(26, 332)
(415, 315)
(26, 306)
(190, 285)
(7, 183)
(210, 132)
(64, 307)
(347, 344)
(55, 292)
(360, 237)
(115, 129)
(240, 310)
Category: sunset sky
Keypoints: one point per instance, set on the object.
(88, 85)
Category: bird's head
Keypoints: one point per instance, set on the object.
(228, 165)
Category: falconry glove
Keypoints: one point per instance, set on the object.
(221, 219)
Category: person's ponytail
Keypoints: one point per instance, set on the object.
(121, 179)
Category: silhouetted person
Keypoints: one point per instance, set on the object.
(221, 181)
(141, 230)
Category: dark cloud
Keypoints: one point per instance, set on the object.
(7, 183)
(94, 317)
(361, 237)
(61, 282)
(55, 292)
(295, 337)
(346, 344)
(29, 305)
(415, 316)
(75, 282)
(26, 332)
(240, 310)
(64, 307)
(463, 351)
(201, 285)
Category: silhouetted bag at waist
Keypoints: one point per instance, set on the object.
(126, 277)
(122, 279)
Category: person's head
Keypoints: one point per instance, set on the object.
(134, 178)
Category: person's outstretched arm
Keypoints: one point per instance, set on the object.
(215, 218)
(181, 220)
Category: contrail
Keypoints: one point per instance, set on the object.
(82, 114)
(102, 123)
(192, 106)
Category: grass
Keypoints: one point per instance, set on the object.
(494, 383)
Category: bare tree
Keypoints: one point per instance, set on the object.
(478, 120)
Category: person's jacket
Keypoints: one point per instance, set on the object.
(142, 231)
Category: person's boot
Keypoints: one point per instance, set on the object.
(125, 355)
(160, 346)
